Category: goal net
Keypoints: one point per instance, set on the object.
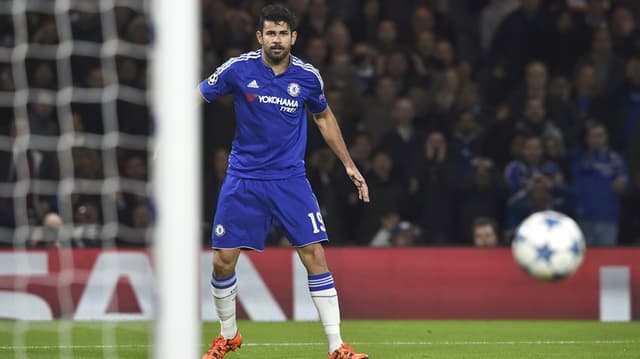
(80, 141)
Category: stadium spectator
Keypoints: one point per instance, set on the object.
(520, 38)
(485, 232)
(620, 109)
(600, 177)
(128, 71)
(47, 235)
(141, 217)
(442, 107)
(432, 184)
(467, 143)
(361, 149)
(387, 37)
(316, 21)
(390, 196)
(364, 24)
(341, 76)
(554, 152)
(585, 87)
(86, 25)
(6, 79)
(402, 138)
(43, 119)
(470, 101)
(423, 53)
(520, 172)
(46, 32)
(87, 228)
(444, 55)
(377, 108)
(87, 163)
(569, 39)
(43, 76)
(536, 86)
(388, 223)
(406, 234)
(396, 233)
(485, 197)
(364, 61)
(625, 33)
(240, 29)
(609, 66)
(338, 39)
(535, 122)
(136, 168)
(316, 52)
(94, 78)
(595, 15)
(396, 65)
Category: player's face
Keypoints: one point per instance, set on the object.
(276, 40)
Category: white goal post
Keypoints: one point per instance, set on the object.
(175, 71)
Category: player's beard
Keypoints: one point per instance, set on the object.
(277, 58)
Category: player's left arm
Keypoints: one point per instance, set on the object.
(331, 133)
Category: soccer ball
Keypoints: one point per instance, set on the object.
(548, 245)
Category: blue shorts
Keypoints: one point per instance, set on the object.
(247, 208)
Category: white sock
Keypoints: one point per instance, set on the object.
(325, 298)
(224, 296)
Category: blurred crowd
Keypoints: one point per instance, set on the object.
(94, 210)
(465, 116)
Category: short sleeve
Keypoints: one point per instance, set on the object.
(316, 101)
(217, 84)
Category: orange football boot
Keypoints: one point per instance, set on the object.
(220, 346)
(346, 352)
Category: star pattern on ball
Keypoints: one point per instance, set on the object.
(551, 222)
(544, 253)
(576, 248)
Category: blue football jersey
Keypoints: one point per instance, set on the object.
(271, 133)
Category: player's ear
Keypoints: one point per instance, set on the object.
(259, 36)
(294, 36)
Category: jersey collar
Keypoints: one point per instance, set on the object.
(269, 69)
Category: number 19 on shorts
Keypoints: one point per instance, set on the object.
(316, 218)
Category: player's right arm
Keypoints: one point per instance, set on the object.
(218, 84)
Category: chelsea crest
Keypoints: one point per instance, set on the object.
(293, 89)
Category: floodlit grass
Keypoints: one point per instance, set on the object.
(381, 339)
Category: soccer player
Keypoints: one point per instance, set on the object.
(266, 183)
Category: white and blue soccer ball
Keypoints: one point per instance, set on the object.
(549, 245)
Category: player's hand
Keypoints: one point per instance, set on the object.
(358, 180)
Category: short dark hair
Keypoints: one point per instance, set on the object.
(592, 123)
(277, 13)
(485, 221)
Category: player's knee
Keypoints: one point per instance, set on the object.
(223, 266)
(313, 258)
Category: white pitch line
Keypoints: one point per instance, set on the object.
(523, 342)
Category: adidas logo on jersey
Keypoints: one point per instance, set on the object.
(253, 84)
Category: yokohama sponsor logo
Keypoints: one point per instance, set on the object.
(278, 101)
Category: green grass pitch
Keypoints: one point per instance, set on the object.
(302, 340)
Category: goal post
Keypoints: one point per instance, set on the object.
(175, 70)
